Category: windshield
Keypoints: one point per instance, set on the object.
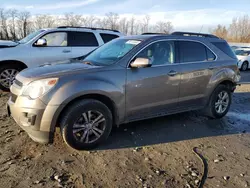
(111, 52)
(30, 36)
(242, 52)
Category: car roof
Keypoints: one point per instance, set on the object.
(171, 36)
(89, 29)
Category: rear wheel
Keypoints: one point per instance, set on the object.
(8, 73)
(86, 124)
(244, 66)
(219, 103)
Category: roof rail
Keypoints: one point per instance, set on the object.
(194, 34)
(153, 34)
(92, 28)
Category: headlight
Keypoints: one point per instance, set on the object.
(38, 88)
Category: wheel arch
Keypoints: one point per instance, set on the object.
(16, 62)
(100, 97)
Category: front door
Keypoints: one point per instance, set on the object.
(57, 49)
(153, 91)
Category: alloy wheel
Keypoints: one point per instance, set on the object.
(89, 127)
(7, 77)
(222, 102)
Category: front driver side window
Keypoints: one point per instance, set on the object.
(159, 53)
(56, 39)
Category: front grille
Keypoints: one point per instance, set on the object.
(18, 83)
(13, 97)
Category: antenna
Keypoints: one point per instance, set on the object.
(201, 28)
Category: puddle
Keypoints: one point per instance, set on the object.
(245, 117)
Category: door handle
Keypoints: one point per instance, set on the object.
(172, 73)
(66, 51)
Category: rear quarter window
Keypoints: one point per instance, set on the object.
(108, 37)
(223, 46)
(85, 39)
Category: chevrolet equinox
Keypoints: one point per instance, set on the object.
(128, 79)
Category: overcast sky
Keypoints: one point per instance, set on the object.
(184, 14)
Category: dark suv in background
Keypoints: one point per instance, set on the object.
(128, 79)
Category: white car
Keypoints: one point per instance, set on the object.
(243, 56)
(49, 46)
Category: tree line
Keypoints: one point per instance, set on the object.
(16, 24)
(237, 31)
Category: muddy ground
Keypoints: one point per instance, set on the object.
(152, 153)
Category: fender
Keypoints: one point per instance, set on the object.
(224, 75)
(79, 88)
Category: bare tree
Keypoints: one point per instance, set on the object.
(123, 25)
(132, 25)
(71, 19)
(4, 24)
(220, 31)
(112, 20)
(164, 27)
(44, 21)
(145, 24)
(13, 13)
(89, 21)
(23, 23)
(240, 29)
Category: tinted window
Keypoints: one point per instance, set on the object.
(210, 55)
(223, 46)
(192, 51)
(56, 39)
(107, 37)
(159, 53)
(82, 39)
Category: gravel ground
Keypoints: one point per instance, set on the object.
(152, 153)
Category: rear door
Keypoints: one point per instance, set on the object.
(197, 63)
(57, 49)
(82, 42)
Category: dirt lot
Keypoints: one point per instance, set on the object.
(152, 153)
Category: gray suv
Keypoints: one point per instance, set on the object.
(128, 79)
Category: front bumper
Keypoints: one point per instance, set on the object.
(33, 116)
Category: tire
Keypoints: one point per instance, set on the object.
(74, 119)
(212, 109)
(244, 66)
(6, 81)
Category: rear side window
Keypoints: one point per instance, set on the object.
(108, 37)
(86, 39)
(223, 46)
(210, 55)
(192, 51)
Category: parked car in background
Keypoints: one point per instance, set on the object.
(128, 79)
(234, 48)
(243, 55)
(48, 46)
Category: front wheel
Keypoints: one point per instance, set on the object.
(8, 74)
(220, 102)
(244, 66)
(86, 124)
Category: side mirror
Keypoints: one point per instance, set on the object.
(41, 42)
(141, 63)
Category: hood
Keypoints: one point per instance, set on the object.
(7, 44)
(58, 70)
